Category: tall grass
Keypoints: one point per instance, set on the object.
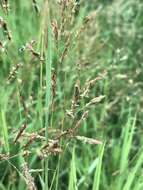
(70, 80)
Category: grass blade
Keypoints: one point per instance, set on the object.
(133, 172)
(4, 131)
(127, 142)
(72, 175)
(96, 181)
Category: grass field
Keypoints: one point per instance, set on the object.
(71, 99)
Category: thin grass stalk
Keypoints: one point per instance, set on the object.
(48, 59)
(97, 176)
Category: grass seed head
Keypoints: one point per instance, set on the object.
(28, 178)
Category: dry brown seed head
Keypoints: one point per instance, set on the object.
(14, 72)
(4, 156)
(88, 140)
(55, 30)
(54, 83)
(29, 46)
(78, 124)
(95, 100)
(26, 153)
(28, 178)
(90, 83)
(77, 90)
(6, 31)
(68, 41)
(20, 132)
(3, 46)
(70, 113)
(76, 96)
(5, 5)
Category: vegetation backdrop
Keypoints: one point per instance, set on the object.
(71, 95)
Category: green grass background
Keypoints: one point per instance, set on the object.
(111, 42)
